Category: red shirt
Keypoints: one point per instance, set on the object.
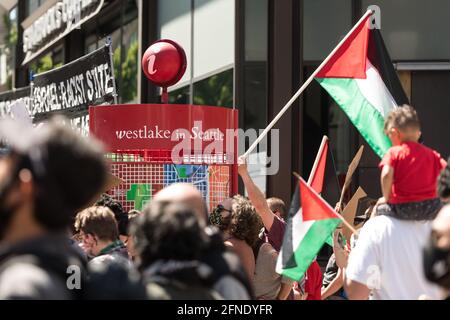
(313, 282)
(276, 233)
(416, 169)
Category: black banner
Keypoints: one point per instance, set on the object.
(72, 88)
(9, 97)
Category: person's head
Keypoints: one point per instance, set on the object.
(168, 231)
(402, 124)
(119, 214)
(187, 194)
(47, 174)
(133, 216)
(437, 252)
(97, 228)
(368, 206)
(444, 184)
(278, 207)
(245, 223)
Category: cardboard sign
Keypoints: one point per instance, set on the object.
(350, 171)
(350, 211)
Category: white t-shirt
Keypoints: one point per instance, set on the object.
(387, 258)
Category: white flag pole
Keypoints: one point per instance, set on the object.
(316, 162)
(303, 87)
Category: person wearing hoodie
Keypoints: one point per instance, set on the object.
(170, 242)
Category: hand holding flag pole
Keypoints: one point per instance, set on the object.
(336, 213)
(303, 87)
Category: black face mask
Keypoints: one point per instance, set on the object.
(217, 219)
(436, 266)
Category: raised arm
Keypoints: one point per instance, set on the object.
(255, 195)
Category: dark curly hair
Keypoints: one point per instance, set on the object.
(168, 231)
(444, 182)
(246, 224)
(119, 213)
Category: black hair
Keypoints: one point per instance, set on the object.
(119, 213)
(70, 172)
(168, 231)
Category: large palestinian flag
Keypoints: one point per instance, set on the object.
(361, 79)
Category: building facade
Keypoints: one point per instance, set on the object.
(253, 55)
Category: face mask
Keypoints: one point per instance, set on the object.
(216, 218)
(436, 265)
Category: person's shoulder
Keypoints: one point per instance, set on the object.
(24, 280)
(268, 250)
(377, 226)
(421, 149)
(237, 244)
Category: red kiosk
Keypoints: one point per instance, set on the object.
(151, 146)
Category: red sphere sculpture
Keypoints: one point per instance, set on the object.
(164, 63)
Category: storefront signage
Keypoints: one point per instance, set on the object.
(208, 132)
(55, 23)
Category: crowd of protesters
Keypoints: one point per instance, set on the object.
(62, 238)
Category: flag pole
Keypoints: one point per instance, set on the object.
(348, 225)
(316, 161)
(303, 87)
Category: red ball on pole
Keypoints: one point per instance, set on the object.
(164, 63)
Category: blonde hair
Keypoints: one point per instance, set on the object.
(402, 118)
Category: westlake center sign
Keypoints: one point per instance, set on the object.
(195, 134)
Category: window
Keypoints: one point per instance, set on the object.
(213, 43)
(216, 90)
(123, 30)
(255, 63)
(31, 6)
(414, 29)
(7, 49)
(325, 23)
(205, 29)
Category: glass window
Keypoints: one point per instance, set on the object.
(255, 64)
(414, 29)
(174, 22)
(216, 90)
(7, 50)
(52, 60)
(125, 46)
(205, 29)
(213, 35)
(179, 96)
(325, 22)
(31, 6)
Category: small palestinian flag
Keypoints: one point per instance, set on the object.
(361, 79)
(311, 227)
